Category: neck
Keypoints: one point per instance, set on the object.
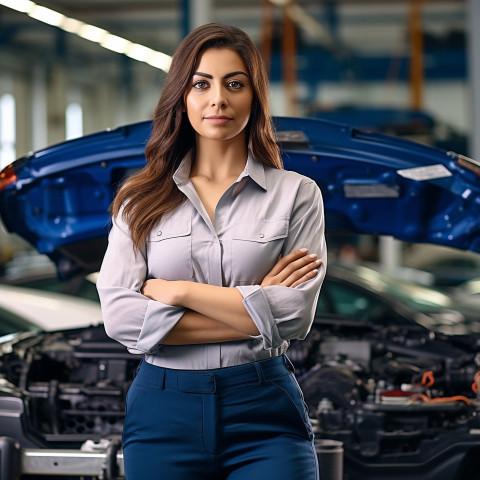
(219, 160)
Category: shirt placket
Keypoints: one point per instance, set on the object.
(213, 261)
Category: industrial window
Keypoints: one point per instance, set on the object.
(73, 120)
(7, 130)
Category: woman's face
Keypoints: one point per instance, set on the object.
(219, 99)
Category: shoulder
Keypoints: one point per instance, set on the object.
(118, 222)
(288, 179)
(299, 191)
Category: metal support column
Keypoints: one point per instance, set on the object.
(200, 13)
(56, 103)
(185, 17)
(473, 19)
(390, 252)
(289, 50)
(416, 54)
(39, 107)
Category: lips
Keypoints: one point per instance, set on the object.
(218, 119)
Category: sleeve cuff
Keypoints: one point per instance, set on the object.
(153, 332)
(257, 306)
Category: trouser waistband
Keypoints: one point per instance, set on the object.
(210, 381)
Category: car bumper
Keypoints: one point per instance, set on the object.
(102, 460)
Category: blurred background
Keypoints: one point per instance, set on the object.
(405, 67)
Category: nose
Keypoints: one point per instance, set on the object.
(219, 98)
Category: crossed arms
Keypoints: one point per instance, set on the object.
(217, 314)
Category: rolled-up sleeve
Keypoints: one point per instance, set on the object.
(129, 317)
(284, 313)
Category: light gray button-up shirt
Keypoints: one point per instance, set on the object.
(265, 214)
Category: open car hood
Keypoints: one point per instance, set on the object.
(58, 198)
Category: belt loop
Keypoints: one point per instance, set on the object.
(258, 368)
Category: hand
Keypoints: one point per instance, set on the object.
(164, 291)
(294, 269)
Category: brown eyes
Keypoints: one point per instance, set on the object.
(203, 85)
(235, 84)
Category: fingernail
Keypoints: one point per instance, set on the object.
(303, 250)
(318, 262)
(313, 255)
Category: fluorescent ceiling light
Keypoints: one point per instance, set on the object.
(92, 33)
(46, 15)
(23, 6)
(160, 60)
(139, 52)
(116, 44)
(71, 25)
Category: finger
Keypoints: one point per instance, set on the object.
(296, 265)
(301, 272)
(308, 276)
(286, 260)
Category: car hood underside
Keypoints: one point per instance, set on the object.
(58, 198)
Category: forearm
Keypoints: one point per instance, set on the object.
(223, 304)
(195, 328)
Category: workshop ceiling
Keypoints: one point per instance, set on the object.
(160, 24)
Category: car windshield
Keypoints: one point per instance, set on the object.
(416, 296)
(368, 294)
(13, 323)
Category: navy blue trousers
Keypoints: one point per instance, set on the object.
(235, 423)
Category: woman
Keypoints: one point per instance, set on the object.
(209, 275)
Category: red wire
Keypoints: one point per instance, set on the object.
(428, 377)
(459, 398)
(476, 381)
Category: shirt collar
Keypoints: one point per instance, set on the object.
(182, 173)
(253, 169)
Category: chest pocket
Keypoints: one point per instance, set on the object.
(169, 249)
(256, 246)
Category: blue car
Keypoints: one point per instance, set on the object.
(394, 390)
(58, 198)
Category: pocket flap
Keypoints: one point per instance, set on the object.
(171, 229)
(262, 230)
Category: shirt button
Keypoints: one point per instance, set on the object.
(159, 234)
(261, 235)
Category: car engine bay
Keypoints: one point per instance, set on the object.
(391, 396)
(394, 398)
(73, 384)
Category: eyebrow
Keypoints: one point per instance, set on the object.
(228, 75)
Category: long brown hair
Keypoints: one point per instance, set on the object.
(149, 194)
